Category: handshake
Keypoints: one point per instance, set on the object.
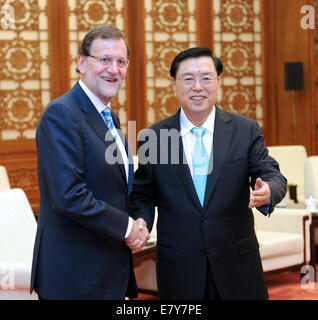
(138, 236)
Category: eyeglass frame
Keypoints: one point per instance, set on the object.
(193, 81)
(110, 60)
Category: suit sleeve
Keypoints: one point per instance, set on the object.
(61, 161)
(142, 199)
(263, 166)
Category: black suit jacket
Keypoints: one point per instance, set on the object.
(79, 251)
(223, 230)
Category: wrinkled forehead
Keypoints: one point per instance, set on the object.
(108, 47)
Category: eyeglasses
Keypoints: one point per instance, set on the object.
(190, 81)
(106, 61)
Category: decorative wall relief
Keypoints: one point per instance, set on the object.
(170, 27)
(238, 43)
(24, 72)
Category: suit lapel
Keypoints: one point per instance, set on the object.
(128, 152)
(95, 120)
(221, 139)
(183, 168)
(92, 116)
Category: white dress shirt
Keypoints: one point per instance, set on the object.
(100, 106)
(188, 139)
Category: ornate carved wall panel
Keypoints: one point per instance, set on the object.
(170, 28)
(84, 15)
(238, 43)
(35, 33)
(24, 88)
(24, 72)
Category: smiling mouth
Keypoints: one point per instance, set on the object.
(110, 80)
(197, 99)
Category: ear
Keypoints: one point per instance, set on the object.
(173, 84)
(218, 83)
(81, 63)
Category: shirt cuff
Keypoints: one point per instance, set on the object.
(129, 227)
(266, 207)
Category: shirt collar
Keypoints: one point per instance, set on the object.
(186, 125)
(99, 105)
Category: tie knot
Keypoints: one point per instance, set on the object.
(198, 131)
(106, 113)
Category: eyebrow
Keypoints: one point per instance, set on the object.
(193, 74)
(109, 56)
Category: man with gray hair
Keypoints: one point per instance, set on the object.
(84, 235)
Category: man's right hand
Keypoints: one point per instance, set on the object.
(138, 236)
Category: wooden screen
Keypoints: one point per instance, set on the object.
(170, 27)
(238, 43)
(39, 43)
(24, 88)
(24, 72)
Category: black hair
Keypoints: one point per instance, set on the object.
(195, 52)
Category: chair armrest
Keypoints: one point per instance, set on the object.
(283, 220)
(311, 173)
(295, 221)
(4, 180)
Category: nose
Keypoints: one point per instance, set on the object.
(112, 67)
(197, 85)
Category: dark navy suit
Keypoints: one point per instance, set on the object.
(220, 236)
(79, 251)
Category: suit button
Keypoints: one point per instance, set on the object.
(203, 252)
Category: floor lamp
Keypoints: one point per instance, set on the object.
(294, 80)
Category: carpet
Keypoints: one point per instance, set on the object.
(281, 286)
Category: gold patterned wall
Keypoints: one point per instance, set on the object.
(24, 72)
(238, 43)
(170, 27)
(84, 15)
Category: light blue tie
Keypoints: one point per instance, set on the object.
(109, 121)
(200, 163)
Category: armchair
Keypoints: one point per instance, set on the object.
(17, 234)
(4, 180)
(291, 161)
(284, 238)
(311, 177)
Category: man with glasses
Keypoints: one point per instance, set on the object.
(84, 235)
(206, 243)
